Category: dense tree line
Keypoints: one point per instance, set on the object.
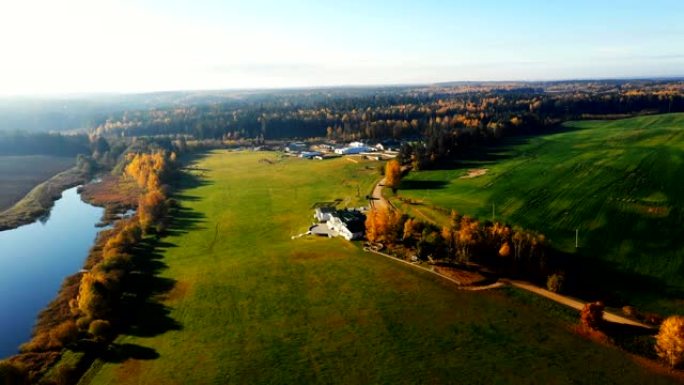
(511, 251)
(17, 143)
(91, 306)
(456, 114)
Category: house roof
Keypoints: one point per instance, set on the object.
(356, 226)
(348, 215)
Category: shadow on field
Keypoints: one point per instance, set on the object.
(118, 353)
(489, 153)
(183, 218)
(422, 184)
(633, 339)
(145, 290)
(596, 279)
(147, 316)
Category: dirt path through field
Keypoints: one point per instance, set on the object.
(378, 200)
(574, 303)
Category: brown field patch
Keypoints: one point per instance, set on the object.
(465, 277)
(112, 190)
(474, 173)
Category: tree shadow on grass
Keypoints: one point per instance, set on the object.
(594, 279)
(634, 339)
(422, 184)
(118, 353)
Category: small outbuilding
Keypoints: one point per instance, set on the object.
(322, 214)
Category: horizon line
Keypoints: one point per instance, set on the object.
(339, 86)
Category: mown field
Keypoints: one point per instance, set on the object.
(249, 305)
(19, 174)
(618, 182)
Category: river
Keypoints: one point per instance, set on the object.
(35, 259)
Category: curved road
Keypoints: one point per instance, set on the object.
(378, 200)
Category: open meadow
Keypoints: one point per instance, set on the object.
(239, 301)
(19, 174)
(618, 182)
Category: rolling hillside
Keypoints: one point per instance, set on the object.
(249, 305)
(618, 182)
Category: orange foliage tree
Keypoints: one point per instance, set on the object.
(392, 174)
(670, 341)
(383, 225)
(152, 209)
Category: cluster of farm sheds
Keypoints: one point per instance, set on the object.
(387, 149)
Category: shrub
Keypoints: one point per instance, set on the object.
(670, 341)
(83, 323)
(12, 374)
(505, 250)
(52, 339)
(100, 329)
(555, 282)
(64, 333)
(630, 311)
(592, 315)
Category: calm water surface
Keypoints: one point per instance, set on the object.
(35, 259)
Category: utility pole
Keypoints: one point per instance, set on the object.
(576, 238)
(493, 212)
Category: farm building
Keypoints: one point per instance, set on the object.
(322, 214)
(348, 224)
(295, 147)
(388, 145)
(310, 154)
(353, 150)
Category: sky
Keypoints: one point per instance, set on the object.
(82, 46)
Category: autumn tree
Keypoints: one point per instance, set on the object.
(392, 174)
(384, 225)
(592, 315)
(92, 300)
(372, 225)
(555, 282)
(100, 329)
(670, 341)
(468, 235)
(148, 169)
(152, 209)
(505, 250)
(411, 231)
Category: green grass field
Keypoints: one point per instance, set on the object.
(618, 182)
(19, 174)
(251, 306)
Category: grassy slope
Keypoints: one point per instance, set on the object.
(255, 306)
(19, 174)
(619, 182)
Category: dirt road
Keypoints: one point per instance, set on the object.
(378, 200)
(575, 304)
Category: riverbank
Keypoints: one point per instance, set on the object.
(76, 328)
(35, 260)
(38, 202)
(36, 356)
(115, 194)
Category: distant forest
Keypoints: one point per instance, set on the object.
(443, 117)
